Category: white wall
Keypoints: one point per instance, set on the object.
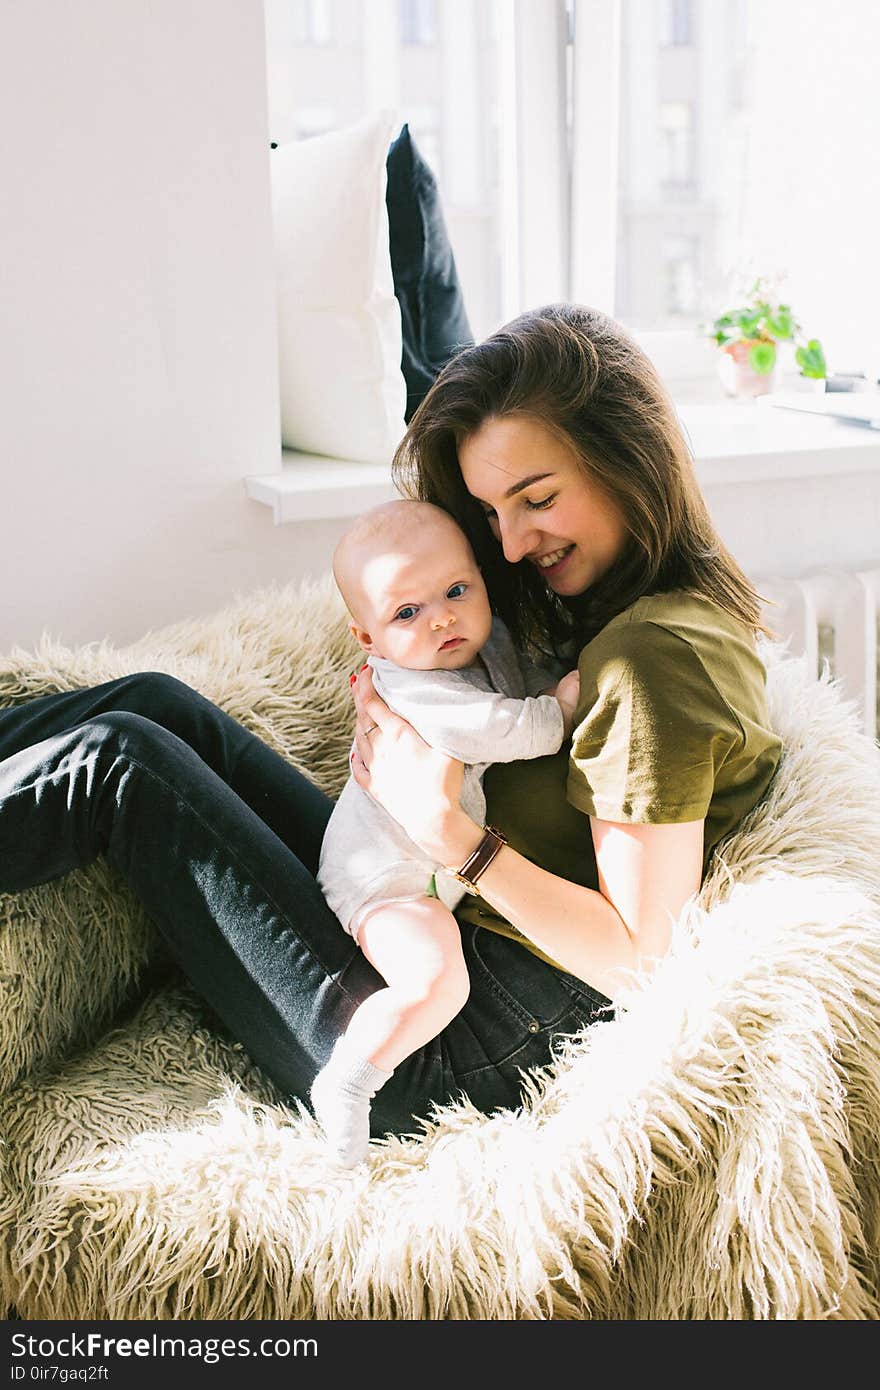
(138, 359)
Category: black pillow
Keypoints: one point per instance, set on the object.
(432, 310)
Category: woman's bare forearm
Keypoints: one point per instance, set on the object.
(576, 926)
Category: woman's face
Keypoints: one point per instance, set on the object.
(540, 503)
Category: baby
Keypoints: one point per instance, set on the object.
(419, 609)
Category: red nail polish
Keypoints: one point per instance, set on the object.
(363, 668)
(352, 679)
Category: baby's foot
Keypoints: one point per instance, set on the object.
(340, 1096)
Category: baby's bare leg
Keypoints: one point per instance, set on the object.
(416, 947)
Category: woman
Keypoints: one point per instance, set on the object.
(554, 444)
(556, 447)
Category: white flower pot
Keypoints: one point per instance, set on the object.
(737, 375)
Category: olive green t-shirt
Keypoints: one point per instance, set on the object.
(671, 726)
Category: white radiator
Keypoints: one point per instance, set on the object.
(832, 616)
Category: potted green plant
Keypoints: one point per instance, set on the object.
(748, 337)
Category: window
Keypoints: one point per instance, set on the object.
(729, 165)
(645, 156)
(311, 21)
(433, 62)
(677, 23)
(683, 113)
(680, 261)
(418, 21)
(676, 121)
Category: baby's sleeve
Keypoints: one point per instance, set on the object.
(476, 725)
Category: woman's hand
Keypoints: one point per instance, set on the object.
(418, 786)
(568, 692)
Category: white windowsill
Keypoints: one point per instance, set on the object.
(309, 487)
(752, 441)
(733, 442)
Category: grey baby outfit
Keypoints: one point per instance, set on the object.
(489, 712)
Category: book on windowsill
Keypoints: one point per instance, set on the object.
(857, 407)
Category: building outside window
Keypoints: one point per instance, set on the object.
(312, 21)
(418, 21)
(683, 116)
(676, 121)
(681, 255)
(677, 23)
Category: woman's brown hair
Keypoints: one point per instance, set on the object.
(581, 374)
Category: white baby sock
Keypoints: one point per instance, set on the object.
(340, 1096)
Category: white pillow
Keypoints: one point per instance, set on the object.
(343, 392)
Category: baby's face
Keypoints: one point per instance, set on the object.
(424, 603)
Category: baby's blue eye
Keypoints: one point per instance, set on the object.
(403, 615)
(456, 591)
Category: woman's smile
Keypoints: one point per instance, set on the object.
(552, 563)
(541, 503)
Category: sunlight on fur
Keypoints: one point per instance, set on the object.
(711, 1152)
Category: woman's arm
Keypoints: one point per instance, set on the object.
(646, 872)
(646, 875)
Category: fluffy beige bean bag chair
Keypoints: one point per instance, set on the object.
(713, 1152)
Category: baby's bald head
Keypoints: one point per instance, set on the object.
(412, 586)
(399, 526)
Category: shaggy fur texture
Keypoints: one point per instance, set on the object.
(713, 1152)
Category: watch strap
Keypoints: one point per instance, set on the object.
(477, 863)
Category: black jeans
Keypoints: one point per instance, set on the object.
(219, 837)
